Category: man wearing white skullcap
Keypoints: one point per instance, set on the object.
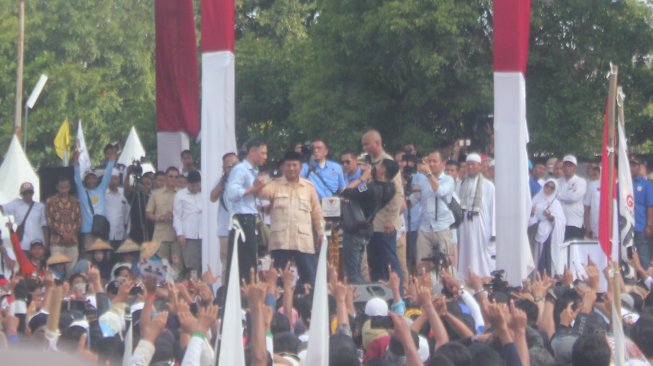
(476, 232)
(571, 192)
(117, 210)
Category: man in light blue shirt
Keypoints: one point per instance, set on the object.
(242, 187)
(412, 218)
(436, 189)
(91, 194)
(326, 175)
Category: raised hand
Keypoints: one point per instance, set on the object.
(155, 326)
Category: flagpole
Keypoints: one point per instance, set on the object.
(612, 98)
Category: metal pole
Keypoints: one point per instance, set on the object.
(612, 100)
(19, 69)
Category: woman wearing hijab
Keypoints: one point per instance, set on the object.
(547, 214)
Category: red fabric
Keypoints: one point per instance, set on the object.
(511, 32)
(377, 348)
(605, 220)
(177, 75)
(218, 25)
(26, 266)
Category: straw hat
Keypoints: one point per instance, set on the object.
(99, 244)
(58, 259)
(149, 248)
(128, 246)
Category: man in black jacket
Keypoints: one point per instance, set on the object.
(372, 191)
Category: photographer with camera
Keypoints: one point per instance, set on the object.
(436, 189)
(137, 195)
(410, 178)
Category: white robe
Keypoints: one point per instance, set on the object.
(475, 248)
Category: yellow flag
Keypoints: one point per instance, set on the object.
(62, 141)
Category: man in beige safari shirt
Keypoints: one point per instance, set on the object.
(159, 210)
(296, 218)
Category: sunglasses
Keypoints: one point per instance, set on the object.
(25, 193)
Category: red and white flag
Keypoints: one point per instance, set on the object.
(218, 112)
(177, 79)
(511, 31)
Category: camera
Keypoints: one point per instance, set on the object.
(307, 150)
(137, 168)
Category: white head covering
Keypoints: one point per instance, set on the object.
(474, 157)
(376, 307)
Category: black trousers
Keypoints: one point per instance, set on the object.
(573, 232)
(247, 249)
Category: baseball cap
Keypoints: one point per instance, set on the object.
(570, 159)
(376, 307)
(25, 187)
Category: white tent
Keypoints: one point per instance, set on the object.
(133, 150)
(15, 170)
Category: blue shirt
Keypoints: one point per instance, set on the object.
(534, 185)
(96, 194)
(643, 192)
(415, 204)
(436, 215)
(332, 178)
(241, 178)
(350, 178)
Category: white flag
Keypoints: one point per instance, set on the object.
(626, 197)
(318, 335)
(232, 351)
(84, 157)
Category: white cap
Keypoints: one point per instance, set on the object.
(89, 171)
(474, 157)
(376, 307)
(570, 159)
(115, 172)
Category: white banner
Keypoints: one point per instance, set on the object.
(513, 254)
(218, 136)
(626, 197)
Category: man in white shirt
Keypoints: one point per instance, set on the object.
(30, 214)
(570, 194)
(187, 221)
(117, 209)
(592, 202)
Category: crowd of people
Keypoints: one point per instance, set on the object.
(113, 273)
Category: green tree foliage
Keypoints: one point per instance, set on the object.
(99, 60)
(415, 70)
(572, 45)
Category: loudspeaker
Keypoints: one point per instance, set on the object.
(48, 176)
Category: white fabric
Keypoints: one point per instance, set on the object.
(132, 150)
(547, 228)
(33, 224)
(6, 270)
(511, 177)
(117, 211)
(318, 334)
(570, 195)
(626, 194)
(170, 145)
(84, 158)
(592, 200)
(187, 214)
(232, 351)
(218, 137)
(475, 248)
(15, 170)
(128, 350)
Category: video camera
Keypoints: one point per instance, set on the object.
(137, 168)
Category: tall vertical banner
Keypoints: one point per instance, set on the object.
(218, 113)
(177, 79)
(511, 32)
(626, 194)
